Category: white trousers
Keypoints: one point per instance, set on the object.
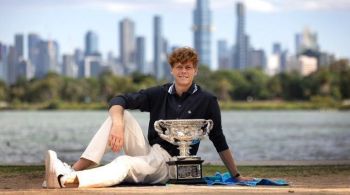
(140, 164)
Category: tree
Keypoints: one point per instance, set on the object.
(274, 86)
(292, 85)
(46, 89)
(257, 83)
(342, 70)
(3, 91)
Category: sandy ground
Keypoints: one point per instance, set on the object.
(332, 184)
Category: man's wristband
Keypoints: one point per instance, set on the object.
(237, 175)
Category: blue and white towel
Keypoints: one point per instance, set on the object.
(226, 179)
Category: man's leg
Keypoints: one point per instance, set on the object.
(135, 144)
(151, 168)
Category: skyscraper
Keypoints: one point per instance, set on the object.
(127, 45)
(279, 56)
(3, 63)
(140, 54)
(305, 41)
(48, 59)
(92, 66)
(19, 46)
(69, 68)
(33, 46)
(33, 49)
(158, 50)
(223, 55)
(242, 41)
(202, 31)
(257, 58)
(12, 61)
(91, 43)
(276, 48)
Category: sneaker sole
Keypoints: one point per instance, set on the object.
(51, 177)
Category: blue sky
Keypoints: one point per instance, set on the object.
(267, 21)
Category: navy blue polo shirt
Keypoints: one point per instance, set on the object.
(162, 102)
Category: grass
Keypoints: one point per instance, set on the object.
(253, 171)
(281, 105)
(224, 105)
(283, 171)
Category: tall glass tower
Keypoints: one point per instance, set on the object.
(141, 54)
(202, 31)
(91, 43)
(33, 48)
(241, 51)
(158, 50)
(19, 45)
(127, 44)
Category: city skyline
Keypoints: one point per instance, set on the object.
(68, 22)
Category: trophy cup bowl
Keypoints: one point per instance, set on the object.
(184, 169)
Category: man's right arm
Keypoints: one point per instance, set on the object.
(116, 136)
(137, 100)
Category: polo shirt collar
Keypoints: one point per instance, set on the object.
(191, 90)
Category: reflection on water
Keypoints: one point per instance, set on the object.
(252, 135)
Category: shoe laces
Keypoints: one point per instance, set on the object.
(67, 166)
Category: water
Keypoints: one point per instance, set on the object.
(251, 135)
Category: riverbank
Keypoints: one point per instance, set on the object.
(303, 179)
(316, 104)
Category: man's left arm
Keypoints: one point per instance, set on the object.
(227, 158)
(218, 138)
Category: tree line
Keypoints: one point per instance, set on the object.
(332, 82)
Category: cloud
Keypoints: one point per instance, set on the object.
(311, 5)
(261, 6)
(253, 5)
(120, 6)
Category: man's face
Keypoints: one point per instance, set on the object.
(184, 73)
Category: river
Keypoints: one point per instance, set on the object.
(252, 135)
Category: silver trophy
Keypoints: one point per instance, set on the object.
(186, 168)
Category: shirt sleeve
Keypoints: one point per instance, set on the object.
(216, 135)
(138, 100)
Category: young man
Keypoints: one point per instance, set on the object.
(145, 159)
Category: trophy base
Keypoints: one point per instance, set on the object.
(185, 170)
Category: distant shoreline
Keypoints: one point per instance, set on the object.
(227, 105)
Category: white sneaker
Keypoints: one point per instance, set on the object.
(54, 168)
(44, 185)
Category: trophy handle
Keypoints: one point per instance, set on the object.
(159, 126)
(209, 126)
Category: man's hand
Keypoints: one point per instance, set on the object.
(116, 137)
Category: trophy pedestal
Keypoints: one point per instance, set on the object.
(185, 170)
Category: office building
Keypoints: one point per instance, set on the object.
(19, 46)
(306, 41)
(33, 49)
(202, 28)
(91, 43)
(141, 54)
(69, 67)
(127, 45)
(158, 48)
(242, 40)
(223, 55)
(48, 58)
